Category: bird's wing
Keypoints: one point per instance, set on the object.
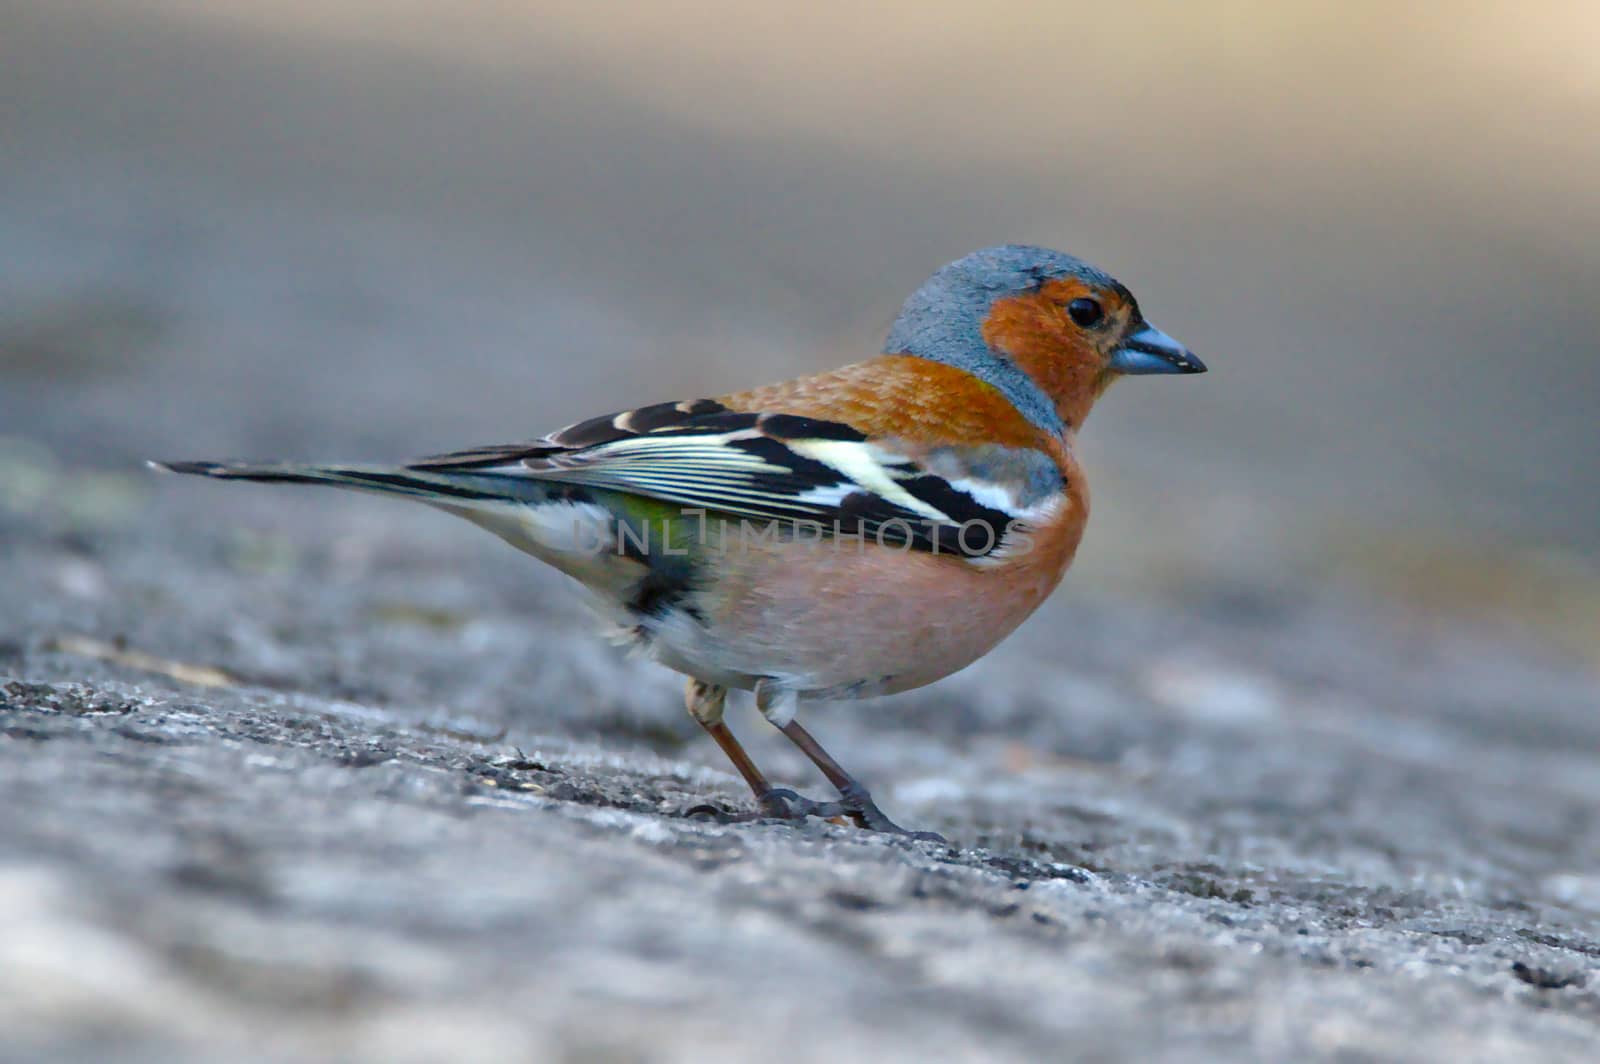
(964, 500)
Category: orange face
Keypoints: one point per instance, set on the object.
(1064, 334)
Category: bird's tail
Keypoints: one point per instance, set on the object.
(571, 526)
(449, 489)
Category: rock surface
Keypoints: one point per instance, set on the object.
(371, 790)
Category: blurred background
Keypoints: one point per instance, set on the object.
(353, 229)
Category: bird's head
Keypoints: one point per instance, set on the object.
(1049, 330)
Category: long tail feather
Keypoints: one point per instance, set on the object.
(570, 526)
(456, 489)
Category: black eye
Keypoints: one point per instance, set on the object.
(1086, 312)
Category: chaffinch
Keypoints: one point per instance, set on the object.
(858, 532)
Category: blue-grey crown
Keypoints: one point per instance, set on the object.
(943, 320)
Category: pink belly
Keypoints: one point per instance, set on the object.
(835, 620)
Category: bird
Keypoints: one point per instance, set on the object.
(859, 532)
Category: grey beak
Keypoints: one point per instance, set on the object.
(1149, 350)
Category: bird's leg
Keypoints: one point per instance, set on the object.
(779, 708)
(706, 703)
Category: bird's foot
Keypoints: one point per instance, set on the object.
(780, 803)
(857, 804)
(854, 805)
